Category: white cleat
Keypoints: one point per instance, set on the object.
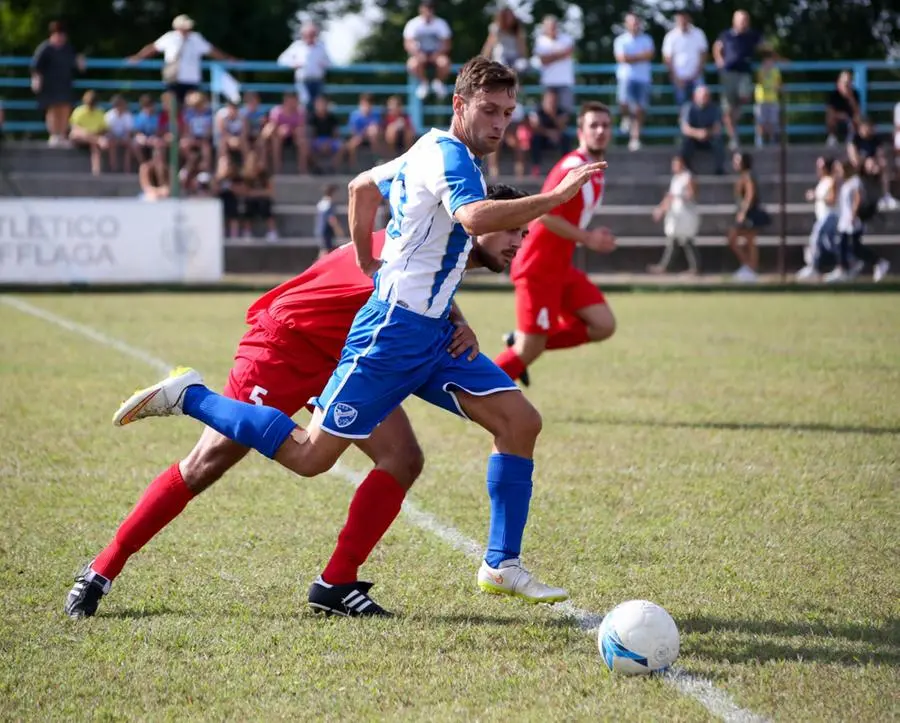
(163, 399)
(514, 580)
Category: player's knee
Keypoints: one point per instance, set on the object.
(603, 329)
(523, 424)
(407, 465)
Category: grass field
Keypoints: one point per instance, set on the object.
(735, 458)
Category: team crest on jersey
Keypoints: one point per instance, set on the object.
(344, 415)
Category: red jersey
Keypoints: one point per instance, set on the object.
(321, 302)
(545, 254)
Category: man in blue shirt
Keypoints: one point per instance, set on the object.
(365, 129)
(701, 127)
(634, 52)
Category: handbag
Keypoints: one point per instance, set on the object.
(171, 67)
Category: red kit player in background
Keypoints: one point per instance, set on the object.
(557, 306)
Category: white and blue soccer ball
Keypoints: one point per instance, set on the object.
(638, 637)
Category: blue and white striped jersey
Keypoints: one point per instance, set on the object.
(425, 248)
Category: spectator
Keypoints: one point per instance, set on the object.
(682, 220)
(183, 51)
(822, 241)
(256, 119)
(517, 137)
(52, 67)
(120, 125)
(309, 59)
(258, 191)
(766, 94)
(153, 174)
(633, 50)
(426, 38)
(684, 52)
(553, 51)
(328, 228)
(325, 129)
(168, 100)
(842, 112)
(701, 128)
(868, 145)
(198, 121)
(399, 133)
(229, 188)
(365, 130)
(146, 129)
(896, 135)
(506, 40)
(548, 129)
(231, 132)
(748, 220)
(734, 51)
(287, 126)
(189, 174)
(87, 128)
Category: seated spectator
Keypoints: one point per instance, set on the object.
(701, 128)
(865, 145)
(189, 175)
(231, 131)
(328, 228)
(229, 187)
(287, 126)
(548, 129)
(553, 51)
(397, 126)
(153, 174)
(842, 110)
(120, 125)
(198, 121)
(518, 138)
(146, 129)
(684, 51)
(256, 119)
(896, 135)
(365, 130)
(506, 40)
(426, 38)
(167, 100)
(634, 51)
(325, 129)
(309, 59)
(87, 128)
(258, 191)
(766, 94)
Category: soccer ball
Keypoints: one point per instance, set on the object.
(638, 637)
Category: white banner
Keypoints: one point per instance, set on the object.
(110, 240)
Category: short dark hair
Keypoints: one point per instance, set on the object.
(485, 75)
(330, 189)
(592, 106)
(502, 192)
(56, 26)
(367, 97)
(746, 162)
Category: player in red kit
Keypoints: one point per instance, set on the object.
(297, 332)
(557, 306)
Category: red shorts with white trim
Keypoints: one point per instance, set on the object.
(541, 304)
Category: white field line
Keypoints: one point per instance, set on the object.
(715, 700)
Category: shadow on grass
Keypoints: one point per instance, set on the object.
(735, 426)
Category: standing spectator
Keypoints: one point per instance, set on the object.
(52, 68)
(553, 51)
(287, 126)
(365, 130)
(259, 192)
(427, 39)
(682, 220)
(231, 131)
(198, 121)
(120, 126)
(548, 129)
(734, 51)
(822, 236)
(87, 128)
(633, 50)
(896, 136)
(506, 40)
(325, 129)
(309, 59)
(256, 119)
(842, 112)
(146, 129)
(183, 51)
(684, 52)
(399, 132)
(328, 228)
(852, 253)
(748, 220)
(868, 145)
(701, 128)
(153, 174)
(229, 188)
(766, 109)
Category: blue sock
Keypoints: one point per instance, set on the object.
(262, 428)
(509, 487)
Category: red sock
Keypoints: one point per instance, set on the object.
(509, 362)
(573, 332)
(161, 503)
(375, 505)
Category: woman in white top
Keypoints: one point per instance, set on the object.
(682, 218)
(120, 130)
(823, 237)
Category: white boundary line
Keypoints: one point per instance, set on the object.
(716, 701)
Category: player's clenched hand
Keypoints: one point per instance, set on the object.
(464, 339)
(601, 240)
(370, 267)
(576, 178)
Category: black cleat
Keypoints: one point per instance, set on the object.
(509, 339)
(84, 597)
(350, 600)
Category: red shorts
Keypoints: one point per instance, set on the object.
(541, 304)
(278, 367)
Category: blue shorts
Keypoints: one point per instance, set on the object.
(392, 353)
(633, 93)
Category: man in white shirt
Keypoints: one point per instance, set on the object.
(685, 50)
(309, 59)
(426, 38)
(634, 50)
(553, 51)
(183, 51)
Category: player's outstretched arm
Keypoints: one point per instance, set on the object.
(365, 198)
(483, 217)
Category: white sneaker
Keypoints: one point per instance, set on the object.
(54, 141)
(838, 274)
(880, 270)
(887, 203)
(272, 236)
(513, 579)
(746, 274)
(807, 273)
(831, 141)
(733, 145)
(163, 399)
(625, 124)
(634, 144)
(438, 88)
(422, 90)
